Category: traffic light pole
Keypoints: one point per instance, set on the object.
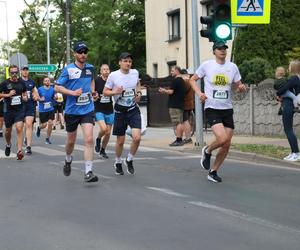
(196, 63)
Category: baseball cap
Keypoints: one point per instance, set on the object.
(24, 67)
(219, 44)
(79, 46)
(124, 55)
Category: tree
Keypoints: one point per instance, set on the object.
(271, 41)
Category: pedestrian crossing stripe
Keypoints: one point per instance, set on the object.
(2, 155)
(250, 11)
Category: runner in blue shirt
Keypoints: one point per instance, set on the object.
(77, 83)
(46, 110)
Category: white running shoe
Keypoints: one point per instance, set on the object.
(287, 157)
(293, 157)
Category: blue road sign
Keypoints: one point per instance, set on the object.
(250, 8)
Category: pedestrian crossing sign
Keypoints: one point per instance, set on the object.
(250, 11)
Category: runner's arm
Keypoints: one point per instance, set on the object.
(196, 88)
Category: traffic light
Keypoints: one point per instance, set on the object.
(218, 24)
(222, 20)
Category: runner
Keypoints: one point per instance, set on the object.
(219, 76)
(14, 92)
(1, 116)
(46, 110)
(104, 112)
(125, 86)
(59, 111)
(77, 82)
(29, 107)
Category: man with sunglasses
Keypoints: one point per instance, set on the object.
(125, 86)
(77, 83)
(13, 90)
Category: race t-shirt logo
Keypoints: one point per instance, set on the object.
(220, 80)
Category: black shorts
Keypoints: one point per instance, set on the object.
(122, 120)
(13, 116)
(46, 116)
(224, 116)
(72, 121)
(58, 108)
(186, 115)
(1, 109)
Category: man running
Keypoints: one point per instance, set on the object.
(46, 110)
(59, 111)
(104, 112)
(29, 107)
(219, 76)
(77, 82)
(1, 116)
(125, 86)
(14, 92)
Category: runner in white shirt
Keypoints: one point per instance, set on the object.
(125, 86)
(219, 77)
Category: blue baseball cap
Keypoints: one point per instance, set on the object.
(79, 46)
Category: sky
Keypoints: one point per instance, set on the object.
(14, 8)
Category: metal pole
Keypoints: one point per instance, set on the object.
(48, 35)
(7, 37)
(68, 48)
(196, 63)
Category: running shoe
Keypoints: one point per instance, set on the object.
(176, 143)
(20, 155)
(90, 177)
(205, 159)
(213, 176)
(103, 153)
(54, 128)
(38, 132)
(7, 150)
(47, 141)
(129, 165)
(118, 169)
(28, 150)
(97, 145)
(62, 127)
(187, 140)
(67, 168)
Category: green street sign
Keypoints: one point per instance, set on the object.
(42, 67)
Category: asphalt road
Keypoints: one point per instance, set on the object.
(167, 204)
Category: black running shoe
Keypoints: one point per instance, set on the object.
(20, 155)
(7, 150)
(90, 177)
(97, 145)
(67, 168)
(118, 169)
(205, 159)
(212, 176)
(129, 165)
(176, 143)
(103, 153)
(28, 150)
(38, 132)
(62, 127)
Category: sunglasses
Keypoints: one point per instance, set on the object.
(14, 72)
(82, 52)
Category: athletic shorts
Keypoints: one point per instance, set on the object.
(122, 120)
(176, 116)
(58, 108)
(108, 119)
(1, 109)
(46, 116)
(29, 111)
(72, 121)
(12, 117)
(224, 116)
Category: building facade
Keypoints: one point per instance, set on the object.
(169, 35)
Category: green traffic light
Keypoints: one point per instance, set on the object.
(223, 31)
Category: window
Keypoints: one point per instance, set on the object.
(155, 70)
(174, 24)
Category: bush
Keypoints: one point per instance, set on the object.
(255, 70)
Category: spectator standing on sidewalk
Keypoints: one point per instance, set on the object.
(292, 85)
(77, 82)
(13, 90)
(125, 86)
(104, 112)
(219, 77)
(176, 94)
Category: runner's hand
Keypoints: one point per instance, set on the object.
(202, 97)
(77, 92)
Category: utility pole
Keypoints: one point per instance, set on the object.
(196, 63)
(68, 13)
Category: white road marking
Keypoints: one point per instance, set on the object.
(167, 191)
(2, 155)
(47, 151)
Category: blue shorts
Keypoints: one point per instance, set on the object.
(14, 116)
(29, 111)
(72, 121)
(122, 120)
(109, 119)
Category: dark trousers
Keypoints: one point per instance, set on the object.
(287, 120)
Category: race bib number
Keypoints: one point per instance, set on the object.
(83, 99)
(220, 94)
(127, 98)
(16, 100)
(129, 93)
(104, 99)
(47, 105)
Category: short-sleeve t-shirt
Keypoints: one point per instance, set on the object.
(48, 103)
(15, 102)
(73, 78)
(30, 85)
(218, 80)
(128, 82)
